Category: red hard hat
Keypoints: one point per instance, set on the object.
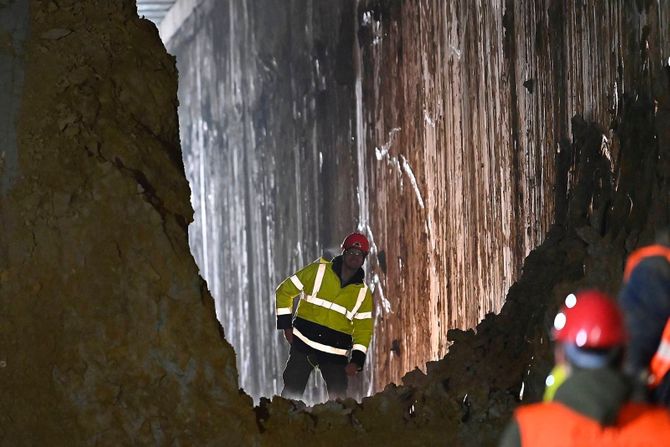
(356, 240)
(590, 319)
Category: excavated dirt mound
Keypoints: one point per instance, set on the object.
(107, 333)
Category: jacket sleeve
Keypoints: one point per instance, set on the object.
(289, 289)
(363, 325)
(645, 302)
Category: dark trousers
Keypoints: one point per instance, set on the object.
(300, 365)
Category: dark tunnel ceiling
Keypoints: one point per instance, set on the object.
(154, 10)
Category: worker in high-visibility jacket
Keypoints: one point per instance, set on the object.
(592, 407)
(645, 301)
(333, 322)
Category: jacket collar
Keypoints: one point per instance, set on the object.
(357, 278)
(598, 393)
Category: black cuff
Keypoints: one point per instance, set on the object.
(358, 358)
(285, 321)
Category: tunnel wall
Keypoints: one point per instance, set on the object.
(266, 101)
(466, 106)
(436, 127)
(108, 335)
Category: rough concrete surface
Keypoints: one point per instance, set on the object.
(107, 333)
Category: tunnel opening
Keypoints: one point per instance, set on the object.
(291, 138)
(243, 75)
(539, 203)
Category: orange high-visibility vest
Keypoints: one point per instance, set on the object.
(660, 362)
(553, 424)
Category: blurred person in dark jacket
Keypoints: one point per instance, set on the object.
(645, 301)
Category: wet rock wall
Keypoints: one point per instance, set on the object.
(266, 99)
(612, 205)
(467, 107)
(437, 127)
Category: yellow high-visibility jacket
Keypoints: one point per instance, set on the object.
(331, 319)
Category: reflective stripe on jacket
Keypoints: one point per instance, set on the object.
(343, 310)
(554, 424)
(660, 362)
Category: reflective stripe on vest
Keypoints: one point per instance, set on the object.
(314, 299)
(284, 311)
(288, 310)
(319, 278)
(359, 302)
(361, 348)
(641, 254)
(296, 282)
(660, 362)
(325, 303)
(319, 346)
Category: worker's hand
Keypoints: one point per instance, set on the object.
(351, 369)
(288, 333)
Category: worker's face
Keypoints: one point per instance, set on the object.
(353, 258)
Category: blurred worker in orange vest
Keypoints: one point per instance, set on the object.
(592, 407)
(645, 301)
